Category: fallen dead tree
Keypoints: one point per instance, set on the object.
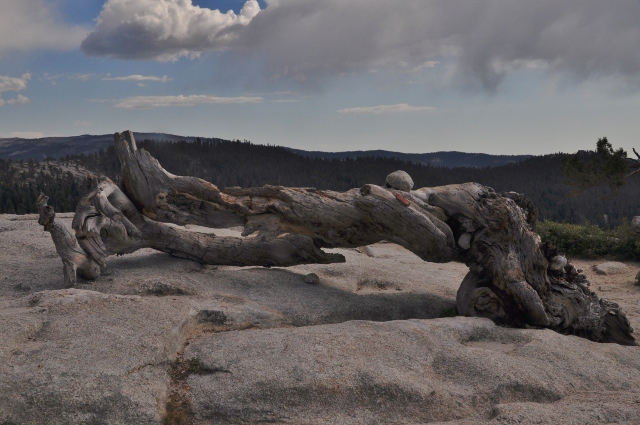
(513, 279)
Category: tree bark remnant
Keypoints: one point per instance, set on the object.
(513, 279)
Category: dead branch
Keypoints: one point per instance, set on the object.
(513, 278)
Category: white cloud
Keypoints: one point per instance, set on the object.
(8, 84)
(52, 78)
(163, 30)
(426, 65)
(20, 100)
(150, 102)
(13, 83)
(138, 77)
(35, 24)
(386, 109)
(81, 77)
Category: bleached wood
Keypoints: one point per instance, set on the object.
(74, 259)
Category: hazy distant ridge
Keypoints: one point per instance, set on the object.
(58, 147)
(439, 159)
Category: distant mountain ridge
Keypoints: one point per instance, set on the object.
(449, 159)
(59, 147)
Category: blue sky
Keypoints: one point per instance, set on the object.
(494, 76)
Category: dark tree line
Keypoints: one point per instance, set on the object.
(19, 188)
(235, 163)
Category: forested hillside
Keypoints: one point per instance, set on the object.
(21, 183)
(227, 163)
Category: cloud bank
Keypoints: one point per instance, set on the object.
(480, 42)
(139, 78)
(385, 109)
(151, 102)
(163, 30)
(32, 24)
(26, 134)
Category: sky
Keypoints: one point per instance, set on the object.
(492, 76)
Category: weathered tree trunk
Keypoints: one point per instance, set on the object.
(513, 279)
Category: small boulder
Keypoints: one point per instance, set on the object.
(399, 180)
(635, 224)
(609, 268)
(312, 278)
(558, 263)
(464, 241)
